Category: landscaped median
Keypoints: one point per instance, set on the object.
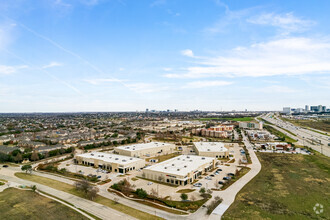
(124, 188)
(99, 199)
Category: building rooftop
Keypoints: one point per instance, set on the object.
(181, 165)
(210, 146)
(110, 158)
(143, 146)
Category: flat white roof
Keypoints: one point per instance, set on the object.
(143, 146)
(181, 165)
(210, 146)
(110, 158)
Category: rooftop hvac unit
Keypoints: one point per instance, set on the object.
(117, 159)
(203, 158)
(131, 158)
(188, 157)
(185, 166)
(92, 154)
(178, 169)
(124, 160)
(172, 164)
(165, 168)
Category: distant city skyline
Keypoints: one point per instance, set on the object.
(102, 55)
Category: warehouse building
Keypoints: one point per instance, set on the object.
(111, 162)
(145, 149)
(212, 149)
(180, 170)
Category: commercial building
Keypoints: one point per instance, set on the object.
(212, 149)
(145, 149)
(251, 125)
(180, 170)
(111, 162)
(287, 110)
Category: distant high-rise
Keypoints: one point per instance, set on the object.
(147, 110)
(306, 108)
(286, 110)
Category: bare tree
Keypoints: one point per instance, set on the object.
(34, 156)
(154, 192)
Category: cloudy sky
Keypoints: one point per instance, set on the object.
(127, 55)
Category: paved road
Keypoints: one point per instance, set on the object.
(304, 136)
(94, 208)
(230, 193)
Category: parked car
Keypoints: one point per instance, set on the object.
(231, 174)
(5, 165)
(221, 182)
(226, 178)
(99, 177)
(219, 170)
(212, 175)
(150, 183)
(197, 185)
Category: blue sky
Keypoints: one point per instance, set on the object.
(120, 55)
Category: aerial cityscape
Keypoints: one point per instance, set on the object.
(163, 109)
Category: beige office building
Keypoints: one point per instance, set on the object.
(180, 170)
(212, 149)
(111, 162)
(145, 149)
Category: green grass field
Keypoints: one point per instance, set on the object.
(321, 124)
(287, 187)
(99, 199)
(23, 204)
(227, 119)
(279, 134)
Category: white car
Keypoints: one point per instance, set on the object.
(150, 183)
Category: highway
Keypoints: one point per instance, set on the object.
(305, 137)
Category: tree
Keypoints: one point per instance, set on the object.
(193, 198)
(18, 157)
(141, 193)
(92, 193)
(184, 196)
(154, 192)
(34, 188)
(34, 156)
(89, 191)
(202, 190)
(26, 168)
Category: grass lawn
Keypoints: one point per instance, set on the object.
(287, 187)
(22, 204)
(185, 190)
(279, 134)
(99, 199)
(227, 119)
(321, 124)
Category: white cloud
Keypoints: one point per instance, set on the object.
(7, 70)
(167, 69)
(100, 81)
(205, 84)
(146, 87)
(288, 22)
(52, 64)
(188, 53)
(288, 56)
(157, 3)
(278, 89)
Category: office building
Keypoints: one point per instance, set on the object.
(251, 125)
(111, 162)
(145, 149)
(180, 170)
(212, 149)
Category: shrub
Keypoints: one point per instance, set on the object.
(184, 196)
(141, 193)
